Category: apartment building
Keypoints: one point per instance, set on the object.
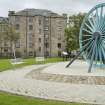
(41, 32)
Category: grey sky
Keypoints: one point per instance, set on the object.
(59, 6)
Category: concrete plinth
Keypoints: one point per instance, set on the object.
(79, 67)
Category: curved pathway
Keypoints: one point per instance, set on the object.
(16, 81)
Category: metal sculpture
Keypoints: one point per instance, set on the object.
(92, 37)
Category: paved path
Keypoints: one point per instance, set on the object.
(16, 82)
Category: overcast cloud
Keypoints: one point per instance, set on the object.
(59, 6)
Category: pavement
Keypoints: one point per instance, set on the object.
(20, 81)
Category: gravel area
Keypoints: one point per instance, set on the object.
(15, 81)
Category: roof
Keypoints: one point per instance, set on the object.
(37, 12)
(3, 20)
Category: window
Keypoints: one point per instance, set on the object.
(30, 36)
(40, 31)
(30, 19)
(46, 19)
(30, 53)
(59, 45)
(60, 22)
(46, 36)
(30, 39)
(46, 45)
(5, 44)
(30, 27)
(59, 28)
(5, 50)
(47, 53)
(46, 28)
(59, 36)
(39, 49)
(17, 19)
(17, 26)
(40, 40)
(30, 44)
(3, 27)
(59, 53)
(40, 22)
(17, 44)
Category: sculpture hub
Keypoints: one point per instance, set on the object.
(96, 35)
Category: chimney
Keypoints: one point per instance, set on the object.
(11, 13)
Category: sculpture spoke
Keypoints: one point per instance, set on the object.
(102, 35)
(103, 53)
(96, 56)
(101, 12)
(100, 53)
(91, 23)
(93, 55)
(103, 40)
(97, 19)
(90, 28)
(93, 20)
(89, 47)
(87, 35)
(90, 32)
(87, 40)
(103, 50)
(101, 19)
(103, 24)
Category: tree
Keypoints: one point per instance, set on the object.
(12, 36)
(70, 39)
(72, 32)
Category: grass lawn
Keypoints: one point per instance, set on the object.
(9, 99)
(5, 63)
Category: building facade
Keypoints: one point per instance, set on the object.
(41, 32)
(5, 46)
